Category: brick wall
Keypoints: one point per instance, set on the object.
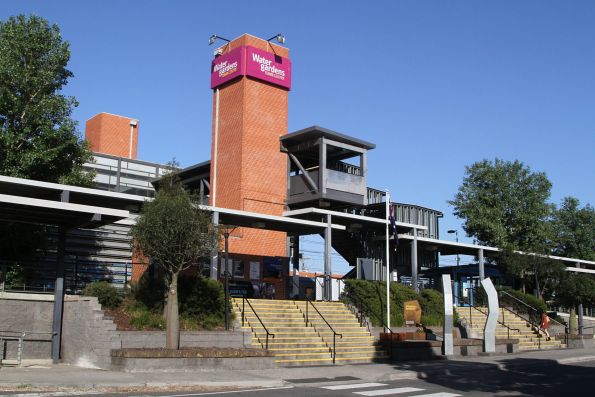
(251, 170)
(110, 134)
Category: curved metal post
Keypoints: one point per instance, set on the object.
(489, 331)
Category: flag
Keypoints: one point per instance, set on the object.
(393, 223)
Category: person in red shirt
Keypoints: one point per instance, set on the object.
(544, 324)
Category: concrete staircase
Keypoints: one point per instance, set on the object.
(529, 338)
(296, 343)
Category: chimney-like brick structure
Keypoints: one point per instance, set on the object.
(112, 134)
(251, 170)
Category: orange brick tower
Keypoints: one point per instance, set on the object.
(251, 81)
(112, 134)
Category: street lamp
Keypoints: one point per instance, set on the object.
(456, 233)
(279, 37)
(214, 38)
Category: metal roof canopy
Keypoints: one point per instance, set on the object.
(25, 200)
(347, 219)
(445, 247)
(313, 132)
(257, 220)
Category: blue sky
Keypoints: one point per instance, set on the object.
(437, 85)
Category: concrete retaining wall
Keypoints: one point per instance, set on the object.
(427, 350)
(235, 339)
(129, 364)
(87, 337)
(31, 313)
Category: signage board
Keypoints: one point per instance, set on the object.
(227, 67)
(266, 66)
(412, 312)
(253, 62)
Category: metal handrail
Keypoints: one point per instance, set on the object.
(471, 305)
(531, 307)
(533, 324)
(245, 300)
(20, 337)
(359, 313)
(335, 333)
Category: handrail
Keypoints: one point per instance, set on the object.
(245, 300)
(533, 324)
(530, 307)
(335, 333)
(18, 336)
(471, 305)
(360, 315)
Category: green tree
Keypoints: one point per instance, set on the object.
(574, 230)
(38, 137)
(174, 233)
(504, 204)
(576, 289)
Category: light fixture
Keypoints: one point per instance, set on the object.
(279, 37)
(214, 38)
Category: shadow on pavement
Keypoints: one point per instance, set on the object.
(519, 376)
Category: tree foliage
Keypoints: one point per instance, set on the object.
(576, 289)
(504, 204)
(574, 230)
(174, 233)
(38, 137)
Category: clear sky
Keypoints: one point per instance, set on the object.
(436, 85)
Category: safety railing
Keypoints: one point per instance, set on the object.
(360, 309)
(244, 301)
(472, 306)
(335, 333)
(20, 337)
(535, 312)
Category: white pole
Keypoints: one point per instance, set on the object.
(214, 165)
(387, 263)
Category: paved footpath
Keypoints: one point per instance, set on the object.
(66, 378)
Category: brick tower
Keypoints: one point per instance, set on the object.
(251, 80)
(112, 134)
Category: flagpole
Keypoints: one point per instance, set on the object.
(387, 263)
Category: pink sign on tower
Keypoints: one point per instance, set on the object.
(227, 67)
(269, 67)
(252, 62)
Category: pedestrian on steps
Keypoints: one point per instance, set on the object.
(544, 324)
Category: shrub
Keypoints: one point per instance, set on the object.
(201, 300)
(14, 276)
(372, 295)
(106, 294)
(142, 319)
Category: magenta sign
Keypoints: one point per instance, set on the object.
(269, 67)
(227, 67)
(250, 61)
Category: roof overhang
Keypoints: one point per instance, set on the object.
(257, 220)
(347, 219)
(37, 202)
(445, 247)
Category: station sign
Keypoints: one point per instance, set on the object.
(253, 62)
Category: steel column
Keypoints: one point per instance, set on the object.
(58, 298)
(414, 261)
(481, 264)
(327, 292)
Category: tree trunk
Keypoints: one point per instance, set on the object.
(172, 318)
(572, 321)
